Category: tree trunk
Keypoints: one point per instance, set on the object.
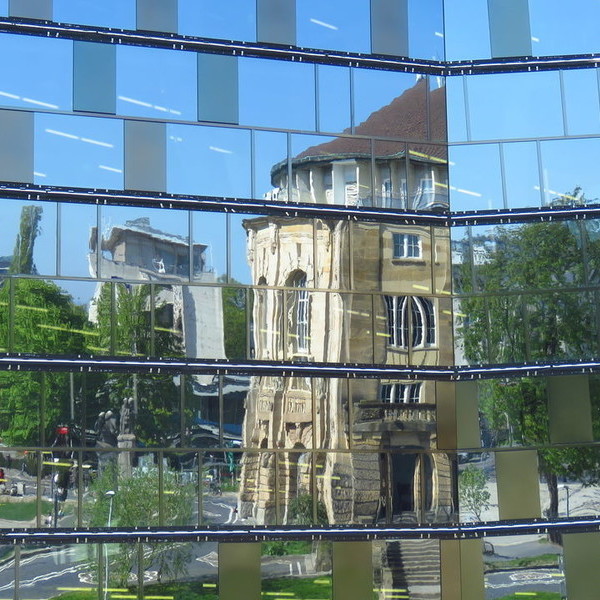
(552, 484)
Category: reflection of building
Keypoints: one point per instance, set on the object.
(411, 176)
(398, 313)
(193, 313)
(136, 251)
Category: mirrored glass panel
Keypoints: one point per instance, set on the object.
(530, 566)
(427, 177)
(566, 164)
(456, 111)
(292, 568)
(210, 257)
(333, 98)
(477, 43)
(391, 174)
(512, 105)
(550, 19)
(156, 83)
(7, 568)
(521, 174)
(426, 29)
(406, 567)
(142, 244)
(477, 490)
(28, 243)
(212, 19)
(335, 25)
(288, 100)
(270, 154)
(119, 14)
(75, 243)
(36, 72)
(78, 151)
(243, 251)
(581, 101)
(390, 104)
(220, 164)
(475, 178)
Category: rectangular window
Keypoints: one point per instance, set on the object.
(407, 245)
(400, 393)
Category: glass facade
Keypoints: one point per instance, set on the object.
(301, 303)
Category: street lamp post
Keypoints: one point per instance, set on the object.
(110, 494)
(566, 488)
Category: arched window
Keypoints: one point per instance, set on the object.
(298, 313)
(422, 322)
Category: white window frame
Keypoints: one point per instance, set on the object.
(407, 245)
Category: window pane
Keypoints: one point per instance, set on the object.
(512, 105)
(475, 177)
(28, 243)
(551, 18)
(426, 29)
(270, 158)
(212, 19)
(569, 171)
(521, 174)
(334, 25)
(465, 47)
(334, 98)
(109, 13)
(156, 83)
(401, 98)
(36, 72)
(78, 151)
(581, 101)
(288, 100)
(220, 165)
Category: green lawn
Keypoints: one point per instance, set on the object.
(23, 511)
(542, 560)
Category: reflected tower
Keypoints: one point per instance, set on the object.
(398, 313)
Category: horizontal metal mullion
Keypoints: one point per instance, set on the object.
(29, 192)
(33, 362)
(266, 533)
(175, 41)
(294, 53)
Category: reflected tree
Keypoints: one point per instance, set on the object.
(43, 319)
(510, 327)
(125, 327)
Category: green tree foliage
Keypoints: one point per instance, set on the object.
(473, 494)
(136, 503)
(234, 319)
(125, 328)
(543, 323)
(35, 316)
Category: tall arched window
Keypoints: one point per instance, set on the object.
(298, 313)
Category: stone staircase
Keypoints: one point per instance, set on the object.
(411, 569)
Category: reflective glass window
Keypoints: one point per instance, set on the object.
(28, 244)
(212, 19)
(458, 45)
(581, 101)
(335, 25)
(569, 171)
(514, 105)
(78, 151)
(334, 98)
(241, 269)
(426, 29)
(110, 13)
(551, 18)
(220, 165)
(156, 83)
(76, 242)
(456, 115)
(270, 165)
(36, 72)
(401, 98)
(210, 246)
(521, 174)
(287, 94)
(475, 177)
